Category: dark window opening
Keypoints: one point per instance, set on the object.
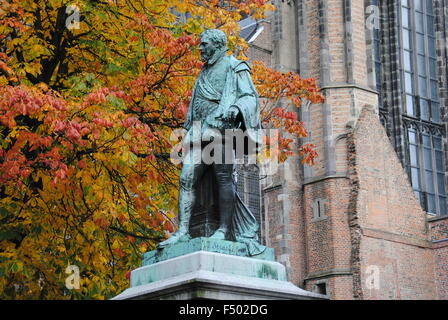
(321, 288)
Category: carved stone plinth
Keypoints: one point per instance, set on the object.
(206, 268)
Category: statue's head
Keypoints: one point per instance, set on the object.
(212, 41)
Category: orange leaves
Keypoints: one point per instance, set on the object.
(100, 96)
(101, 222)
(275, 85)
(129, 122)
(168, 226)
(308, 154)
(20, 100)
(281, 93)
(119, 252)
(84, 140)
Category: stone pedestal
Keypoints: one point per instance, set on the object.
(204, 268)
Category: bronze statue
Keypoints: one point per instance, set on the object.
(224, 97)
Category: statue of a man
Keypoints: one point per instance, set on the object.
(223, 97)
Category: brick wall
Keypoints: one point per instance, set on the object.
(261, 48)
(394, 237)
(439, 237)
(372, 221)
(328, 244)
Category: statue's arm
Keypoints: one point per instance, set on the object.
(189, 117)
(247, 97)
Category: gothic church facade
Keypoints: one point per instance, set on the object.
(369, 220)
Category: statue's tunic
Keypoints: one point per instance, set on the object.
(224, 84)
(208, 91)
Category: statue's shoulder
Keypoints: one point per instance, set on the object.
(238, 65)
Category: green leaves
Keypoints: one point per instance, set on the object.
(3, 212)
(116, 103)
(10, 235)
(14, 267)
(194, 26)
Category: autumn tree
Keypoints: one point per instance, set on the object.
(86, 112)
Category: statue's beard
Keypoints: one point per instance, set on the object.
(205, 57)
(212, 57)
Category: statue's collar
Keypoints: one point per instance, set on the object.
(217, 56)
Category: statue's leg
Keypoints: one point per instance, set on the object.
(227, 198)
(191, 173)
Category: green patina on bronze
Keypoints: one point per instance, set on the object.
(203, 244)
(221, 257)
(267, 272)
(224, 98)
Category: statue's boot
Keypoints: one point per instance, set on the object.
(186, 203)
(219, 234)
(180, 235)
(226, 209)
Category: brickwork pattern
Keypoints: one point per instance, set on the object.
(441, 272)
(261, 48)
(439, 236)
(438, 229)
(394, 235)
(371, 215)
(328, 242)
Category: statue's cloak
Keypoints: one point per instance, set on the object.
(238, 91)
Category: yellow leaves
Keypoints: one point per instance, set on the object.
(15, 42)
(143, 247)
(33, 68)
(37, 50)
(7, 250)
(3, 80)
(194, 26)
(101, 156)
(106, 198)
(116, 244)
(89, 227)
(86, 179)
(43, 87)
(15, 132)
(268, 7)
(79, 238)
(182, 6)
(103, 259)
